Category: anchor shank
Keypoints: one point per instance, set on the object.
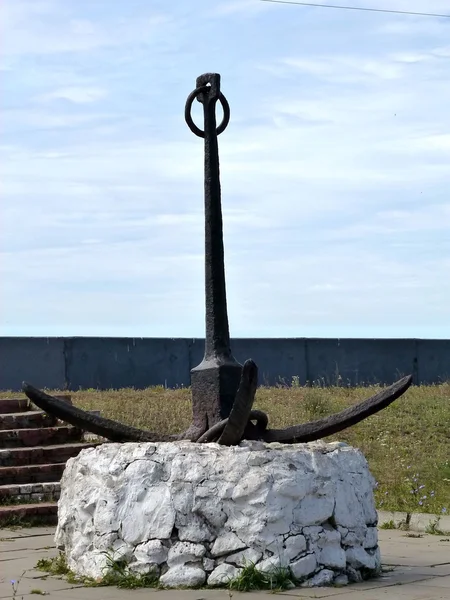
(215, 380)
(217, 340)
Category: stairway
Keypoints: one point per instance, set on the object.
(34, 449)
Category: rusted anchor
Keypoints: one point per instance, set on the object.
(223, 391)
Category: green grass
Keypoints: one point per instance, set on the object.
(407, 445)
(250, 579)
(388, 525)
(53, 566)
(116, 573)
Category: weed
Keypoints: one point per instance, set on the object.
(389, 525)
(118, 573)
(15, 585)
(387, 569)
(54, 566)
(251, 578)
(433, 527)
(295, 381)
(38, 592)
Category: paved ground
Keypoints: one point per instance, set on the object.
(415, 568)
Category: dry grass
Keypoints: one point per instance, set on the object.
(407, 445)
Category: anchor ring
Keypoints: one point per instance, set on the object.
(187, 112)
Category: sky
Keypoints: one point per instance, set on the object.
(334, 168)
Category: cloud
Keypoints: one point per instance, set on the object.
(77, 95)
(334, 169)
(41, 28)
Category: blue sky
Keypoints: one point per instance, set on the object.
(335, 168)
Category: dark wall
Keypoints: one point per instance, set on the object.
(104, 363)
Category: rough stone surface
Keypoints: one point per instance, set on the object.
(324, 577)
(186, 510)
(341, 581)
(371, 539)
(184, 552)
(304, 566)
(294, 546)
(358, 557)
(244, 558)
(223, 574)
(183, 575)
(147, 554)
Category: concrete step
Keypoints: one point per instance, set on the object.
(29, 514)
(15, 405)
(31, 473)
(26, 420)
(40, 455)
(47, 491)
(45, 436)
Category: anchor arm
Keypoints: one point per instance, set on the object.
(242, 406)
(107, 428)
(321, 428)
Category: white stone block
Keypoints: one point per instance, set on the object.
(244, 558)
(272, 564)
(223, 574)
(174, 508)
(355, 537)
(294, 546)
(358, 557)
(151, 552)
(185, 552)
(209, 564)
(332, 556)
(183, 575)
(229, 542)
(323, 578)
(371, 539)
(304, 566)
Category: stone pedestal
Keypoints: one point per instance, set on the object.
(197, 514)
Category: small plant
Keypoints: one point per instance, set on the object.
(15, 585)
(252, 579)
(117, 573)
(389, 525)
(433, 527)
(38, 592)
(54, 566)
(295, 381)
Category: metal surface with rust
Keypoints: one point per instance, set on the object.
(223, 391)
(215, 381)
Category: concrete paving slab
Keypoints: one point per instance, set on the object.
(19, 544)
(25, 553)
(408, 592)
(441, 582)
(25, 587)
(398, 549)
(19, 532)
(325, 592)
(106, 593)
(420, 571)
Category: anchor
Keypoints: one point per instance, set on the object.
(223, 390)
